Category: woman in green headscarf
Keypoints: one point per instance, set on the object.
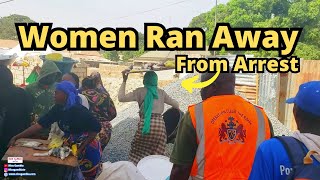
(150, 138)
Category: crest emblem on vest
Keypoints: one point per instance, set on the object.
(231, 131)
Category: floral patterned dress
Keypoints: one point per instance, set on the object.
(103, 109)
(76, 123)
(89, 159)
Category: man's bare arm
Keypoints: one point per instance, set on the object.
(180, 172)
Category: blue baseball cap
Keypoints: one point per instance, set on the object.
(308, 97)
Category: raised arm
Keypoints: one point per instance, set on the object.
(44, 122)
(122, 96)
(184, 149)
(26, 133)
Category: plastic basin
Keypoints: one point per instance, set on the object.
(65, 66)
(172, 118)
(155, 167)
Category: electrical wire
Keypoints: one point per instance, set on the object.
(3, 2)
(142, 12)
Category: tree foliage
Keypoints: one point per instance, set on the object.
(7, 27)
(133, 54)
(269, 13)
(111, 55)
(126, 55)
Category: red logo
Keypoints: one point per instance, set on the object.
(232, 132)
(5, 165)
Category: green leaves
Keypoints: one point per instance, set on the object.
(308, 52)
(111, 55)
(269, 13)
(7, 27)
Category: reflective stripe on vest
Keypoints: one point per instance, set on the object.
(261, 127)
(200, 157)
(200, 132)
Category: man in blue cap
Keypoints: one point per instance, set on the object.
(272, 160)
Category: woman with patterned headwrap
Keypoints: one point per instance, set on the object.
(77, 123)
(96, 76)
(150, 138)
(102, 108)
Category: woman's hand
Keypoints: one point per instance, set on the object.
(12, 141)
(26, 133)
(125, 75)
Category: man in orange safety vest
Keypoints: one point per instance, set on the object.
(218, 138)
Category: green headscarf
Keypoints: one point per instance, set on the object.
(150, 82)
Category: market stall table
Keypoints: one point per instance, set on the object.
(47, 167)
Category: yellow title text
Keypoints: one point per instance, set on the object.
(35, 36)
(241, 64)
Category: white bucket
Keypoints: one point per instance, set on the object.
(155, 167)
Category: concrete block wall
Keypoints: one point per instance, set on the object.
(81, 70)
(111, 69)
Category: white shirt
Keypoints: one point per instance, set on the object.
(84, 101)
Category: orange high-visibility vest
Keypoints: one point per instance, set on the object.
(229, 130)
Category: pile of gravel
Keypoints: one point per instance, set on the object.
(125, 124)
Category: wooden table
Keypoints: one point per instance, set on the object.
(27, 154)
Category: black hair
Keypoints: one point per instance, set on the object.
(88, 83)
(223, 85)
(76, 79)
(223, 77)
(6, 76)
(307, 116)
(306, 122)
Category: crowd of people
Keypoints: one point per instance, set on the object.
(57, 104)
(222, 137)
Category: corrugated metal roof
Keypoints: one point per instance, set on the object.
(249, 92)
(247, 79)
(268, 92)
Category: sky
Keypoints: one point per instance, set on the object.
(112, 13)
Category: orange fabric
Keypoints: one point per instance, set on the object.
(194, 169)
(222, 159)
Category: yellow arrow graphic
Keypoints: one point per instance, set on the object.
(189, 84)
